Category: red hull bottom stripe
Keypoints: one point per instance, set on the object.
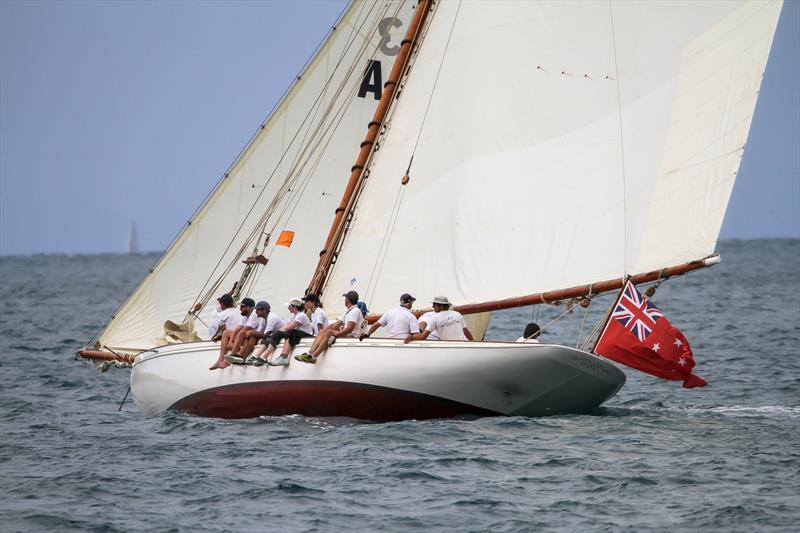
(321, 398)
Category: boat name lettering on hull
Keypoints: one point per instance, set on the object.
(590, 365)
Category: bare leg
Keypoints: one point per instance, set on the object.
(223, 349)
(249, 344)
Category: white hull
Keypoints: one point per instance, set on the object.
(379, 380)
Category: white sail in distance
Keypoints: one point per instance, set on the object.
(556, 144)
(295, 165)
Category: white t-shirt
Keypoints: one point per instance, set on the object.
(303, 323)
(434, 336)
(253, 320)
(319, 317)
(449, 324)
(231, 318)
(529, 341)
(274, 322)
(399, 322)
(353, 315)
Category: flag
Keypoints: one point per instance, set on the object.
(285, 238)
(638, 335)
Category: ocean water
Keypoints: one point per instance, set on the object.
(656, 457)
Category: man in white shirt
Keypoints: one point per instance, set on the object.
(423, 323)
(448, 324)
(399, 322)
(249, 334)
(319, 320)
(347, 326)
(272, 324)
(230, 324)
(298, 326)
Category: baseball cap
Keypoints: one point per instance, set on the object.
(296, 302)
(441, 300)
(407, 298)
(351, 295)
(263, 304)
(311, 297)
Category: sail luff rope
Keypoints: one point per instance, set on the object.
(621, 147)
(209, 293)
(383, 250)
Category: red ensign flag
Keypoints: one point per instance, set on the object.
(638, 335)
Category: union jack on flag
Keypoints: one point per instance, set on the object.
(636, 313)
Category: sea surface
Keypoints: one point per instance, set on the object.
(656, 457)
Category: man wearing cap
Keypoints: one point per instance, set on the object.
(448, 324)
(319, 320)
(399, 322)
(272, 324)
(249, 333)
(347, 326)
(231, 328)
(298, 326)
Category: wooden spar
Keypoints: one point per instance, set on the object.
(101, 355)
(357, 171)
(575, 292)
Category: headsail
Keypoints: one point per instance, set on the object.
(556, 144)
(291, 168)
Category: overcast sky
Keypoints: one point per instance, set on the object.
(121, 112)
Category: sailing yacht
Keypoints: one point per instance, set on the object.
(515, 153)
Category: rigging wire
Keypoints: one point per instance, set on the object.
(383, 250)
(258, 231)
(621, 148)
(343, 229)
(291, 143)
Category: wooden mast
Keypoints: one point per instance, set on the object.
(342, 213)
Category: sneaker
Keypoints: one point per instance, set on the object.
(306, 358)
(233, 358)
(283, 360)
(259, 362)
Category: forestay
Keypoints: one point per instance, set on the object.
(557, 144)
(292, 172)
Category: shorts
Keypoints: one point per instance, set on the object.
(294, 336)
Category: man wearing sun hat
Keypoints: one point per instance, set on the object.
(448, 324)
(399, 322)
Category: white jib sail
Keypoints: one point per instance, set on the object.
(294, 169)
(557, 144)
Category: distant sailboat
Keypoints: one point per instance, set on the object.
(518, 153)
(133, 241)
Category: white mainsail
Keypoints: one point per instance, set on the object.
(556, 144)
(292, 171)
